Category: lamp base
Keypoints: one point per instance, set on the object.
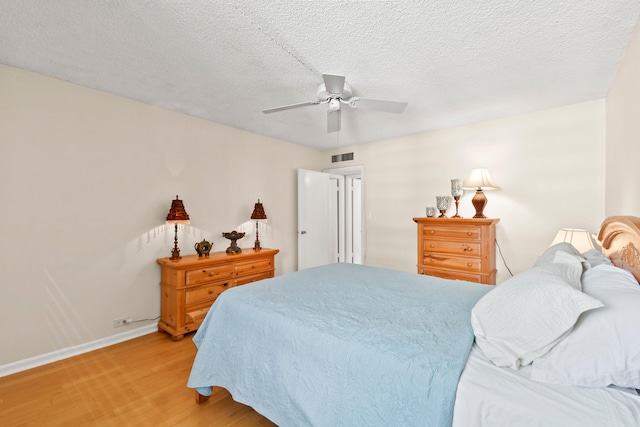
(479, 202)
(175, 254)
(256, 246)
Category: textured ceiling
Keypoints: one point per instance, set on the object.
(453, 61)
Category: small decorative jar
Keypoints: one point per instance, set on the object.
(203, 248)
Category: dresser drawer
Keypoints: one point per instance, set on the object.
(468, 248)
(255, 266)
(253, 277)
(470, 265)
(466, 232)
(203, 275)
(452, 275)
(206, 292)
(195, 314)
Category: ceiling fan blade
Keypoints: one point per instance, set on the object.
(333, 121)
(290, 107)
(378, 105)
(333, 83)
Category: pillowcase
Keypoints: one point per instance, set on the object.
(604, 347)
(525, 316)
(562, 253)
(595, 258)
(546, 257)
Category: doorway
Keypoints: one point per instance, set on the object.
(352, 212)
(330, 216)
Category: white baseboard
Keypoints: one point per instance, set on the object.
(54, 356)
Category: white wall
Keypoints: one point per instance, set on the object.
(623, 134)
(87, 182)
(549, 166)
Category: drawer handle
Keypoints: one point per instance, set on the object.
(431, 231)
(467, 249)
(468, 233)
(210, 291)
(432, 245)
(211, 274)
(469, 264)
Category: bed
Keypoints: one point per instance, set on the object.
(556, 345)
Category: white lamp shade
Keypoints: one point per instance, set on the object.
(479, 179)
(578, 238)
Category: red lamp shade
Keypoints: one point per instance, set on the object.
(177, 214)
(258, 211)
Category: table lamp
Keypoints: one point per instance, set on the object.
(479, 179)
(177, 215)
(258, 215)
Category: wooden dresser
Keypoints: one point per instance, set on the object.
(190, 285)
(458, 248)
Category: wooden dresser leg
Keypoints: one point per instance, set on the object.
(177, 337)
(201, 398)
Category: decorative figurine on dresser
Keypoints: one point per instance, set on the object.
(190, 285)
(234, 236)
(203, 248)
(458, 248)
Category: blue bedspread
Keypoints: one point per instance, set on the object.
(340, 345)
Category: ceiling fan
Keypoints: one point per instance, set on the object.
(334, 91)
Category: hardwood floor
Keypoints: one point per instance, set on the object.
(141, 382)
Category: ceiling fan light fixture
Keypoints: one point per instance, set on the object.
(335, 91)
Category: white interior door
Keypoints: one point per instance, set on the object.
(320, 218)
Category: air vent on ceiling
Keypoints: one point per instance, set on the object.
(341, 157)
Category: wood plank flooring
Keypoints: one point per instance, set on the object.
(141, 382)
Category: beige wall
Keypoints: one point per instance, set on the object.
(623, 135)
(87, 181)
(549, 166)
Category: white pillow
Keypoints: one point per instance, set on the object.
(522, 318)
(604, 347)
(547, 256)
(570, 269)
(564, 253)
